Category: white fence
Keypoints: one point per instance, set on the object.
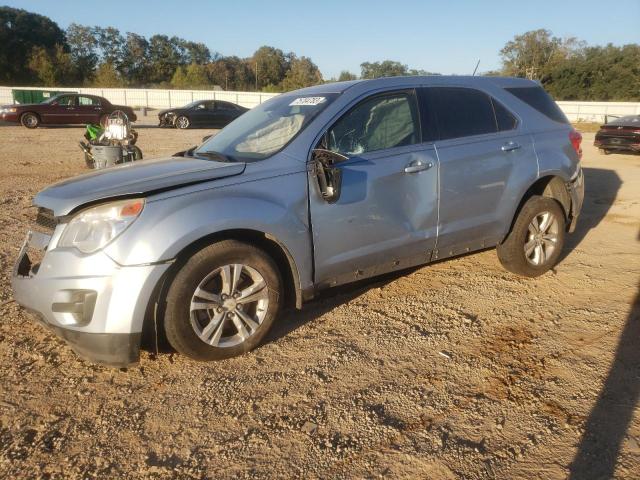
(153, 98)
(156, 98)
(596, 111)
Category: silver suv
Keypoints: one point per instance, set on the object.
(315, 188)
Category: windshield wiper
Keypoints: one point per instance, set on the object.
(214, 156)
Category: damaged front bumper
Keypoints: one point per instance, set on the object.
(166, 120)
(96, 305)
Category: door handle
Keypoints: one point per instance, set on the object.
(417, 166)
(509, 146)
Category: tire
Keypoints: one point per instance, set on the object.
(182, 122)
(30, 120)
(137, 153)
(205, 327)
(530, 252)
(604, 151)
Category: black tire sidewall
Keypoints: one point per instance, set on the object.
(177, 322)
(24, 116)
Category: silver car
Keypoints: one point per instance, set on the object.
(312, 189)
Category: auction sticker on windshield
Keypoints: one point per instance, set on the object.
(307, 101)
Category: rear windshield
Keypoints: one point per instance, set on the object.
(537, 98)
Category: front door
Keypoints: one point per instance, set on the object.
(62, 110)
(386, 215)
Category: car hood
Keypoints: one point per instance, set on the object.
(139, 178)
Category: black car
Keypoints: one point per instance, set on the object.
(622, 134)
(203, 113)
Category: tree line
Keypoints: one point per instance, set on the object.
(34, 50)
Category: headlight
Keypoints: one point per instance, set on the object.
(8, 110)
(92, 229)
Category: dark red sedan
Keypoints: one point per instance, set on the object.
(620, 135)
(67, 108)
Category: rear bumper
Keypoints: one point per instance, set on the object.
(575, 188)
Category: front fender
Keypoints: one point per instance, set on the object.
(276, 206)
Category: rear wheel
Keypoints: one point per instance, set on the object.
(535, 242)
(604, 151)
(30, 120)
(223, 301)
(182, 122)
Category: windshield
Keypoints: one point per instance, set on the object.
(267, 128)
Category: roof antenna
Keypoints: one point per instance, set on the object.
(476, 69)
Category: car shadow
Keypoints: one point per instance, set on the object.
(601, 188)
(607, 424)
(154, 340)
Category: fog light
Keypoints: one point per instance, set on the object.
(76, 306)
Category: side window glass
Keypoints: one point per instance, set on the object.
(84, 101)
(377, 123)
(66, 101)
(504, 118)
(463, 112)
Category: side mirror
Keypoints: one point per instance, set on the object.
(328, 176)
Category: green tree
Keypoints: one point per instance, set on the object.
(387, 68)
(52, 67)
(83, 46)
(192, 76)
(271, 65)
(108, 76)
(302, 73)
(164, 58)
(534, 54)
(134, 65)
(20, 32)
(346, 75)
(232, 73)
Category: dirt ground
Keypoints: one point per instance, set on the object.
(455, 370)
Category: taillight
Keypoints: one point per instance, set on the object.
(576, 139)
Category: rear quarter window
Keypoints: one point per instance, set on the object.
(537, 98)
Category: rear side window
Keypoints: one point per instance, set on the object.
(504, 118)
(537, 98)
(462, 112)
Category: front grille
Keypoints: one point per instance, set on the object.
(45, 221)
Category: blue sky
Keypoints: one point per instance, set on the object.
(438, 36)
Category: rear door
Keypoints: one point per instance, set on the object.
(89, 109)
(484, 157)
(386, 215)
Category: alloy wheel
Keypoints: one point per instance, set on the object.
(542, 238)
(229, 305)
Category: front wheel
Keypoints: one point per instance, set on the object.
(223, 301)
(182, 122)
(535, 242)
(30, 120)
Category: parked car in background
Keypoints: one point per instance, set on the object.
(314, 188)
(203, 113)
(63, 109)
(620, 135)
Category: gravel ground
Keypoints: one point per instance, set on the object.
(454, 370)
